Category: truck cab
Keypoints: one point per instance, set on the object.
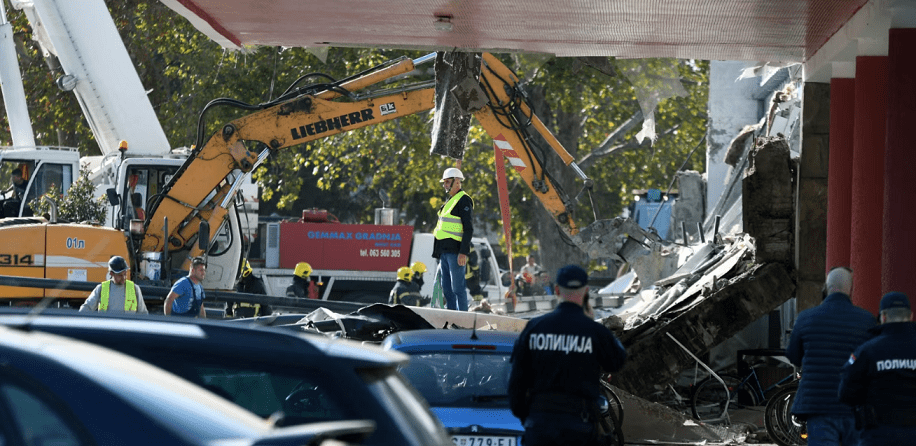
(41, 167)
(136, 181)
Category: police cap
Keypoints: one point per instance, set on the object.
(572, 277)
(894, 299)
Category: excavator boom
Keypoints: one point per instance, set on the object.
(288, 124)
(201, 191)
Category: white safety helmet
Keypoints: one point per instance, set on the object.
(452, 172)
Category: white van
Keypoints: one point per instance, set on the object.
(422, 251)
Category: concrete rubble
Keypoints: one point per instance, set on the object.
(696, 297)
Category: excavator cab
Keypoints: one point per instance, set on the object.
(37, 170)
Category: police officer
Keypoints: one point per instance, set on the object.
(405, 291)
(880, 377)
(117, 295)
(251, 284)
(453, 239)
(556, 365)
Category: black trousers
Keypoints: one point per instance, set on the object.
(559, 429)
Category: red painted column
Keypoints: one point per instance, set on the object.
(839, 175)
(899, 232)
(866, 226)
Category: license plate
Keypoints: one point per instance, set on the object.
(482, 440)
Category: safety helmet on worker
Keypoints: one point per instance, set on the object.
(303, 270)
(418, 267)
(405, 273)
(452, 172)
(246, 269)
(117, 265)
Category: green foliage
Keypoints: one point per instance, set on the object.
(580, 103)
(78, 205)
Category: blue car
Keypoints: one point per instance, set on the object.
(464, 377)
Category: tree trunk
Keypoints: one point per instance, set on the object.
(555, 248)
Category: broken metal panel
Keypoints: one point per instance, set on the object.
(655, 361)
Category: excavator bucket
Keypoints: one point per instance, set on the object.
(457, 74)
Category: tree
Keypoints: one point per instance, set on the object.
(77, 205)
(588, 103)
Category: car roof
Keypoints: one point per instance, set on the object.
(147, 385)
(414, 341)
(257, 341)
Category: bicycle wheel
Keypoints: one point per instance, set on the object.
(708, 400)
(782, 427)
(613, 421)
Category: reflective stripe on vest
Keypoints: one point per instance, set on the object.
(130, 296)
(449, 226)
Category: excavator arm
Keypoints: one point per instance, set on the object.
(203, 188)
(201, 191)
(501, 106)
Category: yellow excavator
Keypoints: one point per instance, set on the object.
(199, 195)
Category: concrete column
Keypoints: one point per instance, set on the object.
(839, 198)
(810, 215)
(899, 235)
(869, 140)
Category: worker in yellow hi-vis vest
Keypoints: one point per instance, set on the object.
(117, 295)
(453, 240)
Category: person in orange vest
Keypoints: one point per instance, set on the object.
(303, 285)
(117, 295)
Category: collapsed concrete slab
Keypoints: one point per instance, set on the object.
(655, 360)
(645, 422)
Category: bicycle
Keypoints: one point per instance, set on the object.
(612, 415)
(784, 428)
(709, 402)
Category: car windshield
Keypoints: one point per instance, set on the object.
(460, 378)
(410, 414)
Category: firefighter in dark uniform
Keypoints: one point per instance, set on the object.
(302, 286)
(880, 377)
(556, 364)
(251, 284)
(405, 291)
(419, 269)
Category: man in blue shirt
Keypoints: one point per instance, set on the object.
(880, 377)
(187, 295)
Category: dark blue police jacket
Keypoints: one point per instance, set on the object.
(562, 352)
(882, 373)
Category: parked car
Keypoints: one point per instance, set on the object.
(290, 378)
(60, 391)
(464, 377)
